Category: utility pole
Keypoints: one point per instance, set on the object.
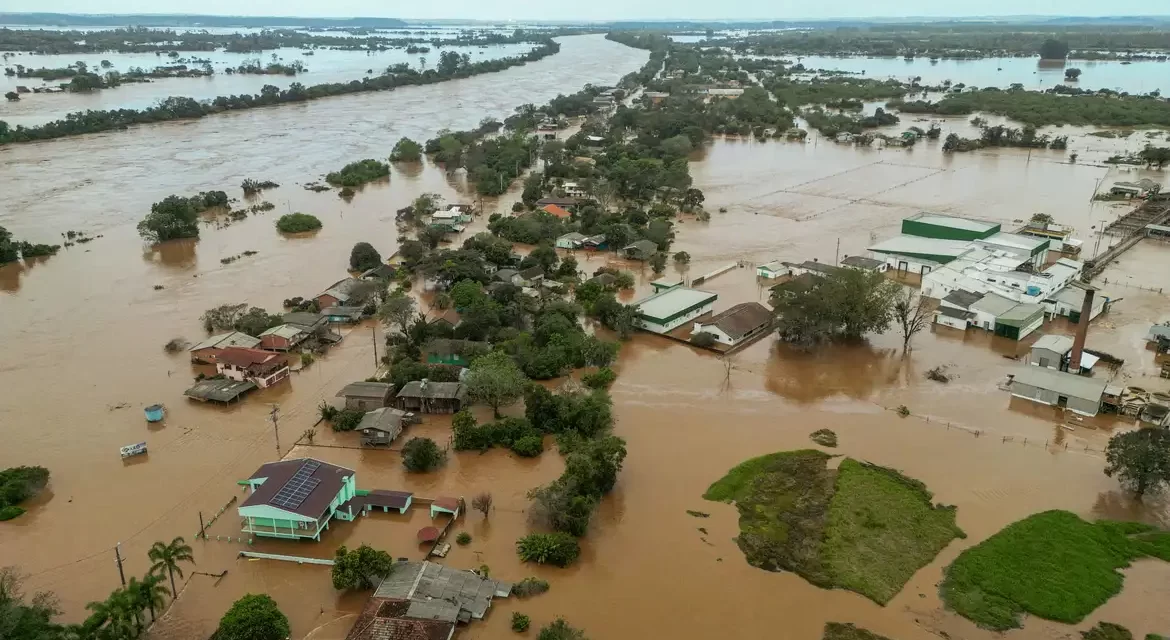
(118, 557)
(837, 260)
(276, 428)
(374, 337)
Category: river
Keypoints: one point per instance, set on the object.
(83, 332)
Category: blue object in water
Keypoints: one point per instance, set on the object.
(155, 413)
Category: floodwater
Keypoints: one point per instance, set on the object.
(1135, 77)
(324, 66)
(87, 327)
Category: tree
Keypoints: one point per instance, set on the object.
(482, 503)
(682, 257)
(168, 557)
(397, 310)
(1140, 460)
(253, 617)
(117, 617)
(495, 380)
(1072, 74)
(406, 150)
(364, 257)
(703, 339)
(150, 592)
(420, 455)
(1053, 50)
(362, 568)
(843, 305)
(658, 262)
(173, 218)
(692, 199)
(12, 96)
(952, 142)
(913, 313)
(558, 549)
(297, 223)
(560, 630)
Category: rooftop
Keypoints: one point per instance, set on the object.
(428, 389)
(352, 312)
(1063, 383)
(303, 486)
(532, 272)
(375, 390)
(1059, 344)
(556, 210)
(247, 358)
(906, 244)
(342, 289)
(671, 301)
(230, 339)
(963, 298)
(572, 236)
(1020, 313)
(304, 319)
(643, 247)
(1016, 241)
(955, 222)
(741, 319)
(994, 304)
(286, 331)
(861, 262)
(383, 419)
(424, 583)
(221, 390)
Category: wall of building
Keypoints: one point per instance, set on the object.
(948, 321)
(655, 327)
(1082, 406)
(912, 264)
(1045, 358)
(928, 230)
(720, 337)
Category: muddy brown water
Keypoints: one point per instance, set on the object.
(83, 334)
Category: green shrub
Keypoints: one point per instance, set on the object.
(1107, 631)
(10, 512)
(347, 419)
(599, 379)
(528, 446)
(421, 455)
(297, 223)
(529, 587)
(560, 630)
(559, 549)
(463, 539)
(520, 622)
(703, 339)
(357, 173)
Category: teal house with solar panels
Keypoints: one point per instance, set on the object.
(296, 499)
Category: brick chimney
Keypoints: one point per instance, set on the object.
(1074, 364)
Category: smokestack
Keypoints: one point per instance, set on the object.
(1074, 364)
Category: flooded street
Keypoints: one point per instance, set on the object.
(82, 335)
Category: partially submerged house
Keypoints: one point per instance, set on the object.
(223, 390)
(206, 351)
(424, 396)
(571, 240)
(556, 211)
(1058, 389)
(672, 308)
(282, 337)
(341, 293)
(508, 276)
(381, 426)
(295, 498)
(954, 310)
(310, 323)
(264, 368)
(772, 270)
(640, 250)
(343, 315)
(380, 272)
(813, 267)
(531, 276)
(737, 324)
(1139, 189)
(453, 352)
(367, 396)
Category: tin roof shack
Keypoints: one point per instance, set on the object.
(640, 250)
(381, 426)
(457, 353)
(283, 337)
(424, 396)
(1058, 389)
(944, 227)
(262, 367)
(737, 324)
(367, 396)
(670, 309)
(220, 390)
(206, 351)
(1019, 321)
(295, 498)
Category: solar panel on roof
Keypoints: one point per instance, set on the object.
(299, 486)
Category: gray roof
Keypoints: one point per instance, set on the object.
(380, 271)
(384, 419)
(304, 319)
(572, 236)
(352, 312)
(322, 480)
(342, 289)
(221, 390)
(955, 222)
(907, 244)
(994, 304)
(377, 390)
(1066, 384)
(286, 331)
(229, 339)
(437, 592)
(741, 319)
(1019, 313)
(1158, 331)
(449, 390)
(643, 247)
(532, 272)
(963, 298)
(861, 262)
(812, 265)
(1059, 344)
(506, 275)
(952, 312)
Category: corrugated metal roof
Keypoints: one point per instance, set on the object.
(1060, 382)
(955, 222)
(1059, 344)
(906, 244)
(229, 339)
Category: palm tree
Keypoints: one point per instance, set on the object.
(151, 592)
(168, 557)
(115, 618)
(130, 599)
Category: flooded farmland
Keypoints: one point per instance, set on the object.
(82, 335)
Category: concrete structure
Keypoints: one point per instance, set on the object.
(916, 254)
(206, 351)
(1020, 321)
(737, 324)
(424, 396)
(1034, 249)
(282, 337)
(772, 270)
(1055, 388)
(988, 309)
(295, 498)
(1055, 352)
(367, 396)
(1059, 237)
(254, 365)
(1068, 302)
(668, 310)
(797, 269)
(944, 227)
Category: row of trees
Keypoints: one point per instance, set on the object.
(12, 250)
(1041, 108)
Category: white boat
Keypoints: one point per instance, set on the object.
(132, 450)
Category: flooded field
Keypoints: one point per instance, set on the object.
(83, 332)
(323, 66)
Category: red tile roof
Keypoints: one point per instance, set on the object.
(557, 211)
(244, 358)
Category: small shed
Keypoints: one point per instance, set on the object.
(381, 426)
(954, 318)
(424, 396)
(367, 396)
(1055, 388)
(1049, 351)
(446, 505)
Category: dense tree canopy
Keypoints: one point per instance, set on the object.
(1140, 460)
(253, 617)
(843, 305)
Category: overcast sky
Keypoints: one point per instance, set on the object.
(603, 9)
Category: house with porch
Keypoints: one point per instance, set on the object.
(295, 499)
(381, 426)
(425, 396)
(737, 324)
(341, 293)
(264, 368)
(282, 337)
(367, 396)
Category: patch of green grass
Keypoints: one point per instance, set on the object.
(1052, 565)
(838, 631)
(860, 527)
(882, 528)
